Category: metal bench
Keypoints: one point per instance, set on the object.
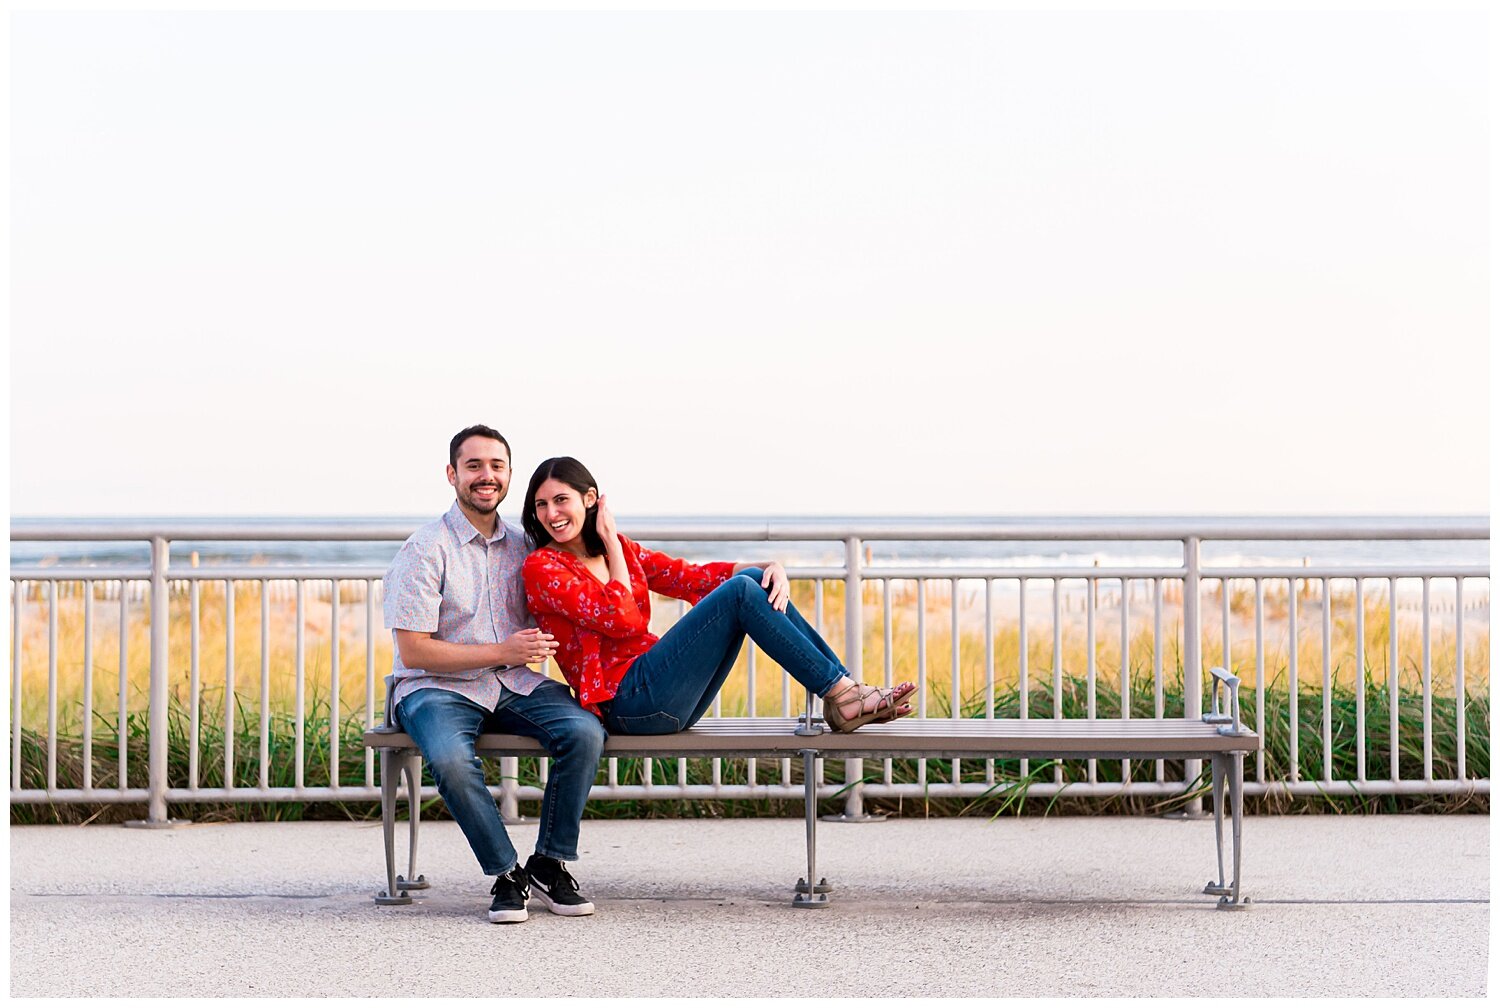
(1218, 737)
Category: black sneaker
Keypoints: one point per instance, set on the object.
(511, 891)
(555, 887)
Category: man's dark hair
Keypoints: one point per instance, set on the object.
(478, 430)
(569, 470)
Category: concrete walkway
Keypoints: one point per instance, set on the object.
(1342, 905)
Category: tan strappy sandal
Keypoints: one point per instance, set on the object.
(857, 704)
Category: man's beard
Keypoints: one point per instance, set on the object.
(484, 507)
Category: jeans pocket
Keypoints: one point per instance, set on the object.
(660, 723)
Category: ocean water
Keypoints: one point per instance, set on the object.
(999, 555)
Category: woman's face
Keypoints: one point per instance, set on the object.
(561, 510)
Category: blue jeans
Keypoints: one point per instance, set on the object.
(672, 685)
(444, 725)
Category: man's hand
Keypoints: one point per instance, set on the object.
(527, 647)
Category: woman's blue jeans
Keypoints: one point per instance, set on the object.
(672, 685)
(444, 725)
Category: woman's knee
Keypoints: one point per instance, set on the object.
(746, 585)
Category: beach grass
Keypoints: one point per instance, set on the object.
(277, 768)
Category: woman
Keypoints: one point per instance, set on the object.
(590, 587)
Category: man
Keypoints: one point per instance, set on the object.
(456, 607)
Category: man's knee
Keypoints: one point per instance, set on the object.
(581, 736)
(452, 764)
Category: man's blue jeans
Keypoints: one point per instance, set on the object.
(672, 685)
(444, 725)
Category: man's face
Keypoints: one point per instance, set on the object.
(482, 475)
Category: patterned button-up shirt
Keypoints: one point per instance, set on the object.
(601, 629)
(450, 581)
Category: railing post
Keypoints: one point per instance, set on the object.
(854, 644)
(510, 789)
(1192, 659)
(156, 717)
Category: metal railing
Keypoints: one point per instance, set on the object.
(1156, 610)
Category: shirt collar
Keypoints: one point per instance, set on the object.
(460, 526)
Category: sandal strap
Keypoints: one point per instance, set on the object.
(843, 701)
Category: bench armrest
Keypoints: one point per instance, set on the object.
(1227, 715)
(391, 725)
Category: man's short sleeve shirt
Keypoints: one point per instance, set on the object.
(450, 581)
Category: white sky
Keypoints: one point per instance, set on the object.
(976, 263)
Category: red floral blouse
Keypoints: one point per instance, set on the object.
(602, 628)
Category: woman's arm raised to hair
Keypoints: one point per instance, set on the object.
(614, 551)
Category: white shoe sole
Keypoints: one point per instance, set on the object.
(562, 909)
(507, 916)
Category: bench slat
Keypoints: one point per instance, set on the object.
(1137, 738)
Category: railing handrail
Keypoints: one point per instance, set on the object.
(1106, 528)
(366, 572)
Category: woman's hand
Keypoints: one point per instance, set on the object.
(775, 580)
(604, 522)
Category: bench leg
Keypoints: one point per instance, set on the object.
(389, 782)
(808, 895)
(1231, 900)
(1219, 772)
(413, 772)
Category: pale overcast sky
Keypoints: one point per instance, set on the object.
(976, 263)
